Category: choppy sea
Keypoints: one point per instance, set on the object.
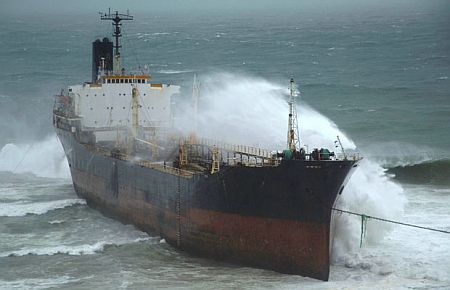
(376, 74)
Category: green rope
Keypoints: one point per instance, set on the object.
(364, 218)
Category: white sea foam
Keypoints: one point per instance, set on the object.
(23, 208)
(73, 250)
(43, 158)
(61, 249)
(370, 191)
(56, 222)
(37, 283)
(253, 111)
(169, 71)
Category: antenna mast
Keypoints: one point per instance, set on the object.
(116, 18)
(293, 137)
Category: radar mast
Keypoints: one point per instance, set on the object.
(116, 18)
(293, 137)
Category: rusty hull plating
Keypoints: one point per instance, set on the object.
(276, 218)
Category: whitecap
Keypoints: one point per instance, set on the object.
(72, 250)
(23, 208)
(61, 249)
(56, 222)
(37, 283)
(168, 71)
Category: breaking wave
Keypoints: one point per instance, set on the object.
(37, 208)
(253, 111)
(396, 154)
(436, 172)
(44, 158)
(76, 250)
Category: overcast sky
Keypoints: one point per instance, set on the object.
(213, 6)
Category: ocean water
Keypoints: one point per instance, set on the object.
(377, 75)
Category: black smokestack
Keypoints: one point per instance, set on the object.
(101, 49)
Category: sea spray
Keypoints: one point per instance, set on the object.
(43, 158)
(253, 111)
(370, 191)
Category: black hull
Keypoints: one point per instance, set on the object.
(270, 217)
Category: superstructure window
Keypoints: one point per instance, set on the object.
(126, 81)
(121, 81)
(113, 81)
(109, 81)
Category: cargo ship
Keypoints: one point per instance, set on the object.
(238, 203)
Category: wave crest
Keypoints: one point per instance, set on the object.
(75, 250)
(23, 208)
(435, 172)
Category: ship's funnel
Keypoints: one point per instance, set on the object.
(102, 57)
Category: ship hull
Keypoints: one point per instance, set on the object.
(276, 218)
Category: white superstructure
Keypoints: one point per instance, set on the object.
(106, 104)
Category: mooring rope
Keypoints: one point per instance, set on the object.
(23, 158)
(364, 217)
